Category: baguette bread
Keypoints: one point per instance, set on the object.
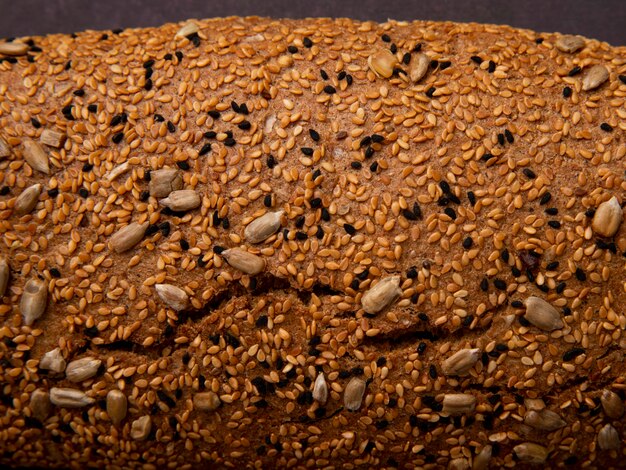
(255, 243)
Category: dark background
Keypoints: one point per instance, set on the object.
(604, 19)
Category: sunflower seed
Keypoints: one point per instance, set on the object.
(141, 427)
(320, 389)
(597, 75)
(52, 138)
(5, 150)
(529, 452)
(53, 360)
(612, 404)
(458, 404)
(544, 420)
(82, 369)
(5, 273)
(569, 43)
(461, 362)
(40, 404)
(481, 461)
(27, 200)
(382, 63)
(182, 200)
(173, 296)
(381, 295)
(261, 228)
(117, 405)
(34, 301)
(13, 48)
(188, 29)
(419, 67)
(353, 394)
(608, 438)
(244, 261)
(164, 181)
(608, 217)
(69, 398)
(541, 314)
(206, 401)
(127, 237)
(36, 156)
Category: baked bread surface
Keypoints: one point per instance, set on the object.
(437, 231)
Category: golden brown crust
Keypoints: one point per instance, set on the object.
(475, 185)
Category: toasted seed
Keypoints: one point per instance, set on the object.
(34, 301)
(127, 237)
(419, 67)
(541, 314)
(320, 389)
(36, 156)
(569, 43)
(461, 362)
(27, 200)
(141, 427)
(173, 296)
(535, 404)
(13, 48)
(608, 438)
(5, 150)
(52, 138)
(188, 29)
(529, 452)
(458, 404)
(481, 461)
(244, 261)
(164, 181)
(382, 63)
(608, 217)
(117, 171)
(69, 398)
(596, 76)
(182, 200)
(5, 273)
(82, 369)
(261, 228)
(544, 420)
(53, 360)
(117, 405)
(381, 295)
(40, 404)
(353, 394)
(206, 401)
(612, 404)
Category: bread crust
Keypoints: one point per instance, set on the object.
(476, 185)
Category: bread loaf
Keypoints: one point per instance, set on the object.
(254, 243)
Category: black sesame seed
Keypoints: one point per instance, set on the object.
(292, 49)
(551, 211)
(349, 228)
(406, 58)
(144, 196)
(431, 91)
(432, 371)
(179, 55)
(501, 139)
(68, 65)
(314, 135)
(356, 165)
(411, 273)
(206, 148)
(330, 89)
(567, 92)
(325, 214)
(341, 75)
(323, 74)
(499, 284)
(374, 167)
(504, 254)
(450, 213)
(575, 71)
(184, 244)
(54, 272)
(509, 136)
(590, 212)
(92, 108)
(158, 118)
(552, 266)
(486, 157)
(229, 142)
(545, 198)
(171, 127)
(529, 173)
(484, 284)
(6, 190)
(580, 275)
(271, 162)
(560, 287)
(316, 202)
(517, 304)
(54, 192)
(554, 224)
(467, 243)
(385, 38)
(151, 230)
(184, 165)
(165, 229)
(369, 152)
(417, 210)
(409, 215)
(393, 48)
(83, 193)
(492, 66)
(523, 321)
(444, 65)
(148, 85)
(36, 124)
(307, 43)
(299, 222)
(472, 197)
(606, 127)
(445, 187)
(377, 138)
(308, 151)
(477, 59)
(244, 125)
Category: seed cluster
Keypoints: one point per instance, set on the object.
(251, 243)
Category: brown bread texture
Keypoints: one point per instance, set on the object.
(318, 243)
